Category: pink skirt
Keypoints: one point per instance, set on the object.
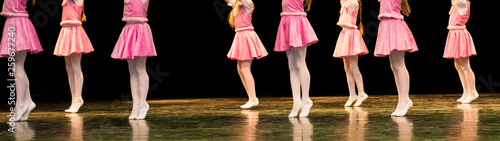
(72, 39)
(350, 43)
(136, 40)
(294, 31)
(394, 34)
(246, 46)
(24, 37)
(459, 44)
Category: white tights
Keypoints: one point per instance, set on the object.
(75, 77)
(299, 80)
(467, 79)
(247, 78)
(23, 96)
(402, 79)
(139, 85)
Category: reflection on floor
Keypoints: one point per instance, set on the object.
(434, 117)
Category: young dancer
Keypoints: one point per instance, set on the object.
(394, 39)
(246, 46)
(460, 46)
(349, 45)
(135, 44)
(72, 43)
(295, 33)
(19, 36)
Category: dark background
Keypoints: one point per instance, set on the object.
(192, 39)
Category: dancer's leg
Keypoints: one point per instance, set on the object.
(351, 84)
(294, 82)
(71, 78)
(305, 79)
(143, 86)
(471, 80)
(24, 104)
(134, 87)
(22, 83)
(353, 61)
(74, 67)
(463, 80)
(248, 81)
(77, 71)
(402, 79)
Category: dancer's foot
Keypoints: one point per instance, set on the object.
(464, 96)
(143, 110)
(30, 107)
(471, 97)
(295, 109)
(250, 104)
(306, 106)
(351, 100)
(402, 108)
(360, 100)
(19, 112)
(75, 105)
(134, 113)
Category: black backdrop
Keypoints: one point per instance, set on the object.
(192, 39)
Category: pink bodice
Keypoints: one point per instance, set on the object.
(292, 5)
(390, 9)
(348, 14)
(15, 8)
(457, 19)
(135, 11)
(72, 12)
(244, 19)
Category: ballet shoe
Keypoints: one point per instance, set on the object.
(134, 113)
(360, 100)
(21, 112)
(142, 112)
(350, 101)
(470, 98)
(295, 109)
(464, 96)
(250, 104)
(31, 106)
(75, 106)
(306, 106)
(402, 112)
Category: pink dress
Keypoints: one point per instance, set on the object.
(350, 42)
(136, 39)
(459, 42)
(72, 38)
(246, 44)
(294, 29)
(393, 32)
(24, 37)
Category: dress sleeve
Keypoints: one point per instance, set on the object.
(78, 2)
(353, 4)
(248, 4)
(462, 6)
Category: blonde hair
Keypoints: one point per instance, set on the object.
(307, 3)
(405, 8)
(360, 25)
(84, 18)
(235, 12)
(33, 3)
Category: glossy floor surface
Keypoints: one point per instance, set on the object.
(433, 117)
